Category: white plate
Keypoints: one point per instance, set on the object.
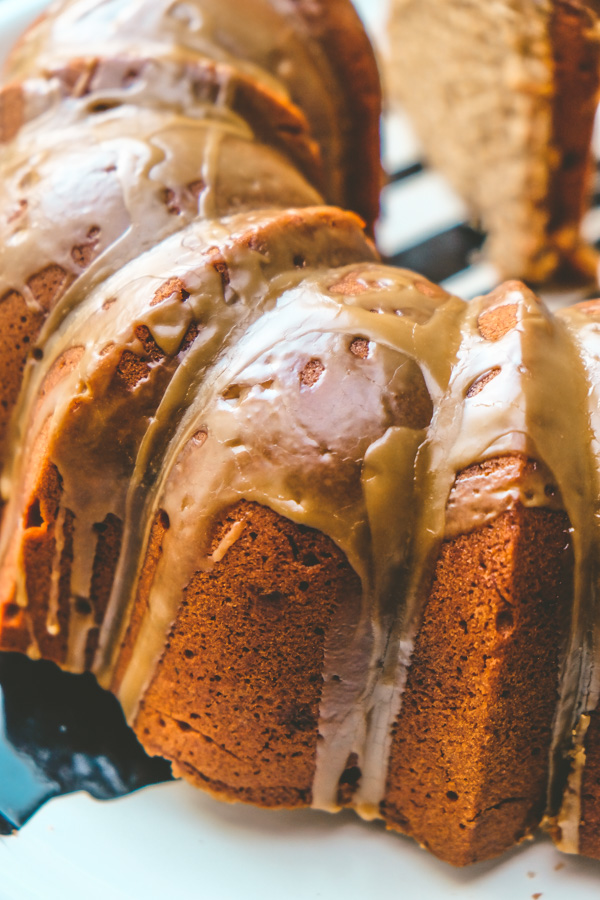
(172, 841)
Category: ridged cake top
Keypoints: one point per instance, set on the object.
(316, 55)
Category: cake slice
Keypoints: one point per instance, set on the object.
(503, 98)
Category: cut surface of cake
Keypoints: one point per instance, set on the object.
(327, 531)
(503, 97)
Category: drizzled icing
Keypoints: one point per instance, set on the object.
(96, 475)
(508, 415)
(101, 172)
(237, 304)
(277, 49)
(154, 130)
(355, 480)
(135, 178)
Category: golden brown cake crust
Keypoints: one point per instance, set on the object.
(11, 112)
(337, 28)
(469, 762)
(234, 702)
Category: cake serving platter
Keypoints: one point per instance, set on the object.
(169, 839)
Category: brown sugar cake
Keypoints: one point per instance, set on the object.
(304, 514)
(503, 98)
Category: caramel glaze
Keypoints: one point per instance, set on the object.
(119, 182)
(220, 380)
(316, 52)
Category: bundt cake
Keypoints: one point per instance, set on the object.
(327, 531)
(512, 87)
